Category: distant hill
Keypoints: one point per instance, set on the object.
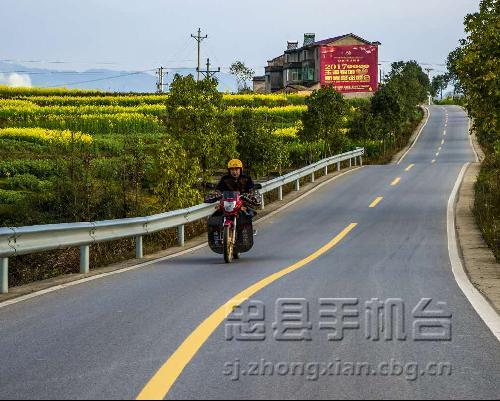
(103, 79)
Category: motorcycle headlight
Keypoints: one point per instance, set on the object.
(229, 206)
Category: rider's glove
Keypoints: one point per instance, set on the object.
(213, 197)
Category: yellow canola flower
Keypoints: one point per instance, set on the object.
(44, 135)
(290, 132)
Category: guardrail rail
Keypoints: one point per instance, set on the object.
(15, 241)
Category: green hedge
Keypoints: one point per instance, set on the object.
(487, 200)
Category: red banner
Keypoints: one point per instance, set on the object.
(349, 68)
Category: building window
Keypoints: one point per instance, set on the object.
(294, 75)
(308, 74)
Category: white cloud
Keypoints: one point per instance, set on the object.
(19, 80)
(15, 80)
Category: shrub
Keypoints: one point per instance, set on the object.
(25, 182)
(10, 197)
(324, 119)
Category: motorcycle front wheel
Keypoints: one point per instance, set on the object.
(228, 244)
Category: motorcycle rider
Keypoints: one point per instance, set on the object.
(236, 180)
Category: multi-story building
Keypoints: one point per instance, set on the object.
(304, 67)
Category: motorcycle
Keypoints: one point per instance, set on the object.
(230, 229)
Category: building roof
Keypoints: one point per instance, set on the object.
(333, 40)
(336, 38)
(276, 59)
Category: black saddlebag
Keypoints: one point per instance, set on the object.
(244, 240)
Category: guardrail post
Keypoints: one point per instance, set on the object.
(180, 235)
(263, 202)
(313, 177)
(326, 170)
(338, 166)
(84, 259)
(4, 275)
(280, 193)
(139, 253)
(297, 184)
(355, 161)
(361, 161)
(350, 162)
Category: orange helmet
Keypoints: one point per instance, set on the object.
(235, 163)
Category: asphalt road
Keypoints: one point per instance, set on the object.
(107, 338)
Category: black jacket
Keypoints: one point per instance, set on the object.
(242, 184)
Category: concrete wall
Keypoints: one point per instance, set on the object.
(259, 86)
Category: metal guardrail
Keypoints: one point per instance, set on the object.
(16, 241)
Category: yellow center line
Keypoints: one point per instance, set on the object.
(376, 201)
(442, 142)
(396, 181)
(433, 161)
(163, 380)
(409, 167)
(437, 154)
(444, 132)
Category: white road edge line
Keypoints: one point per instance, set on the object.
(175, 255)
(418, 136)
(477, 300)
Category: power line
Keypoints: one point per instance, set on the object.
(56, 62)
(101, 79)
(50, 72)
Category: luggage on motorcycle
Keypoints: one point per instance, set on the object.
(244, 239)
(215, 234)
(244, 236)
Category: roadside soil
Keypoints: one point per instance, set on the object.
(479, 261)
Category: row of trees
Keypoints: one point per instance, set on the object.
(441, 82)
(475, 64)
(392, 113)
(200, 133)
(198, 136)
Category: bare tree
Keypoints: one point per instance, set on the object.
(243, 75)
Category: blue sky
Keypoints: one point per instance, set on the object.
(139, 35)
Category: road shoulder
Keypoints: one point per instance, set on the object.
(479, 263)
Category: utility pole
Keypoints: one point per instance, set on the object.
(428, 69)
(199, 39)
(208, 73)
(161, 72)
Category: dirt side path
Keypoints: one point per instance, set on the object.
(479, 262)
